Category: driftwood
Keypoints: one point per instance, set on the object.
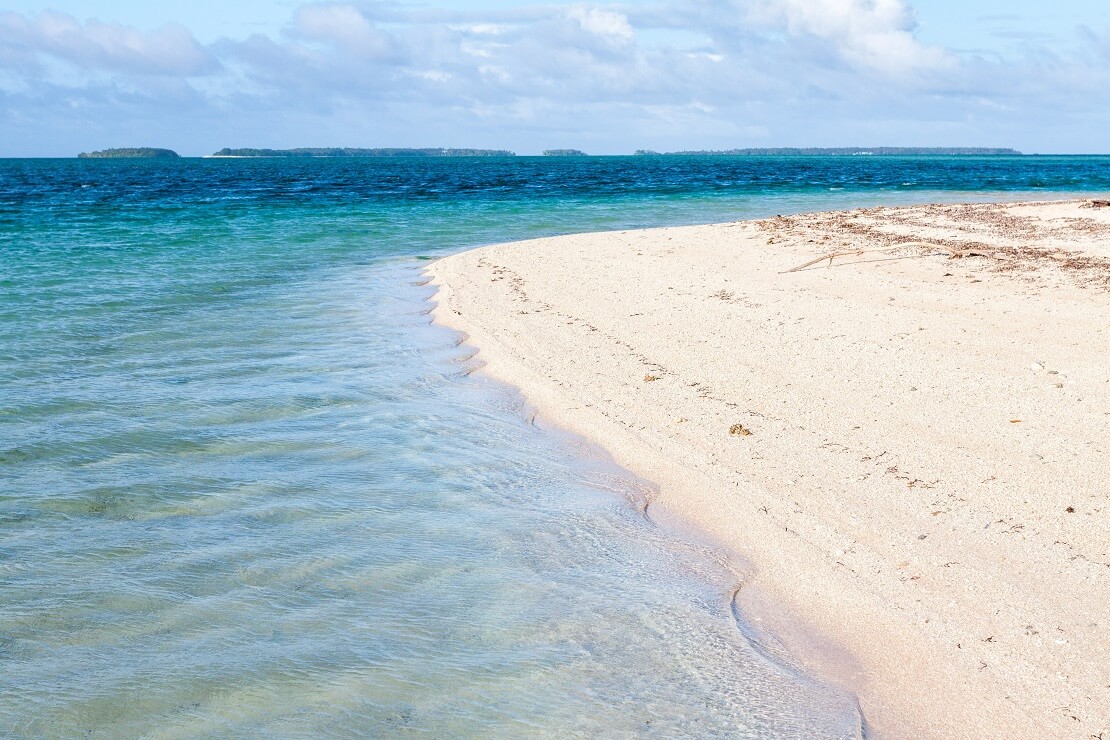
(901, 245)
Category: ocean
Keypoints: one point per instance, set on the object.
(248, 488)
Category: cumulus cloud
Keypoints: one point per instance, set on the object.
(344, 26)
(876, 34)
(605, 23)
(170, 50)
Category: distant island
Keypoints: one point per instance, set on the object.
(307, 152)
(878, 151)
(131, 153)
(564, 153)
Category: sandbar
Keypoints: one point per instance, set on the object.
(909, 441)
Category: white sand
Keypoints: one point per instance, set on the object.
(924, 493)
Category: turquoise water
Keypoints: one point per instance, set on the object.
(247, 488)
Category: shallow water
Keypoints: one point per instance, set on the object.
(246, 487)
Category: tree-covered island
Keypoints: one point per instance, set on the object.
(878, 151)
(306, 152)
(143, 152)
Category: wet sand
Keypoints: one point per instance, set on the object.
(910, 442)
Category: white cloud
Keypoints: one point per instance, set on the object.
(601, 22)
(344, 26)
(481, 29)
(875, 34)
(170, 50)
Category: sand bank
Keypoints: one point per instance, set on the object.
(910, 446)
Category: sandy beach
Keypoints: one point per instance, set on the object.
(908, 444)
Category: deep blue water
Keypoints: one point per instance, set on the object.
(246, 487)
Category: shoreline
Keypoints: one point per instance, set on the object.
(657, 344)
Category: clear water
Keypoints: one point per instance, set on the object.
(247, 488)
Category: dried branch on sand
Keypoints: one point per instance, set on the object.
(950, 251)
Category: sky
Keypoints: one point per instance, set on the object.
(605, 77)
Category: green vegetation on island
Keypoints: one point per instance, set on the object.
(878, 151)
(307, 152)
(142, 152)
(564, 153)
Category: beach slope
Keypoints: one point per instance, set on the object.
(909, 443)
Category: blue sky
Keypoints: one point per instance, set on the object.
(607, 77)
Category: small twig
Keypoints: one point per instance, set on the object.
(822, 258)
(901, 245)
